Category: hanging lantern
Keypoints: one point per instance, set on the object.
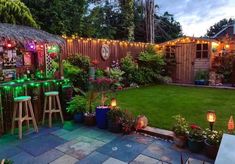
(30, 46)
(211, 117)
(113, 103)
(141, 122)
(230, 124)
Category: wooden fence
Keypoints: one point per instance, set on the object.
(92, 48)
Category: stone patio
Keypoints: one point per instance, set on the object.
(75, 143)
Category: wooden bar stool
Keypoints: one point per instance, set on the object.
(52, 107)
(24, 107)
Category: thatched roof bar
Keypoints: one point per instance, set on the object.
(23, 34)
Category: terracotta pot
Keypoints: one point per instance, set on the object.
(89, 120)
(180, 141)
(195, 146)
(211, 150)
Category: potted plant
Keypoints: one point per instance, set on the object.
(114, 120)
(101, 85)
(180, 130)
(201, 77)
(90, 116)
(212, 142)
(195, 139)
(128, 122)
(77, 106)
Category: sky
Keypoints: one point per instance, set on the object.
(196, 16)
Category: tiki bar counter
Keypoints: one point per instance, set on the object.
(30, 65)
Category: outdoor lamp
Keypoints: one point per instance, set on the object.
(211, 117)
(113, 103)
(230, 124)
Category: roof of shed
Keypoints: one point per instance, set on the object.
(23, 34)
(185, 38)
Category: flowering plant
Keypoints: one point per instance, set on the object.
(195, 133)
(213, 137)
(102, 84)
(180, 127)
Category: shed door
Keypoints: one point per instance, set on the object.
(185, 56)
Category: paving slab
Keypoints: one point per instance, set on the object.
(94, 157)
(40, 145)
(113, 161)
(65, 159)
(122, 149)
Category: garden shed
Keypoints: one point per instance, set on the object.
(187, 55)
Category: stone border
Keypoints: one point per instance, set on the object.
(203, 86)
(156, 132)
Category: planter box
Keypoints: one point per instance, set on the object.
(78, 117)
(101, 117)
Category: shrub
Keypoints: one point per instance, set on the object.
(83, 63)
(195, 133)
(99, 73)
(129, 66)
(77, 104)
(150, 65)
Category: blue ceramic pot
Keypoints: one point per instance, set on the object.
(78, 117)
(101, 117)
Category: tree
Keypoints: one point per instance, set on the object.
(126, 25)
(59, 16)
(217, 27)
(15, 12)
(166, 28)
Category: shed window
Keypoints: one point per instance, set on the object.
(202, 51)
(170, 52)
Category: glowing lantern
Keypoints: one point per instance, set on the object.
(230, 124)
(141, 122)
(30, 46)
(113, 103)
(211, 117)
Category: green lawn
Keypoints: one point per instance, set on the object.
(159, 103)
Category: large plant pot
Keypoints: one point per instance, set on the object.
(78, 117)
(194, 145)
(211, 150)
(101, 117)
(89, 120)
(114, 126)
(180, 141)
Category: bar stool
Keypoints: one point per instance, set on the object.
(52, 107)
(20, 102)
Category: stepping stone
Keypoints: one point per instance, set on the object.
(65, 159)
(113, 161)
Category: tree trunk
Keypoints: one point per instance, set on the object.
(149, 9)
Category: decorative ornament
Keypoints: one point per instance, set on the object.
(105, 52)
(231, 124)
(141, 122)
